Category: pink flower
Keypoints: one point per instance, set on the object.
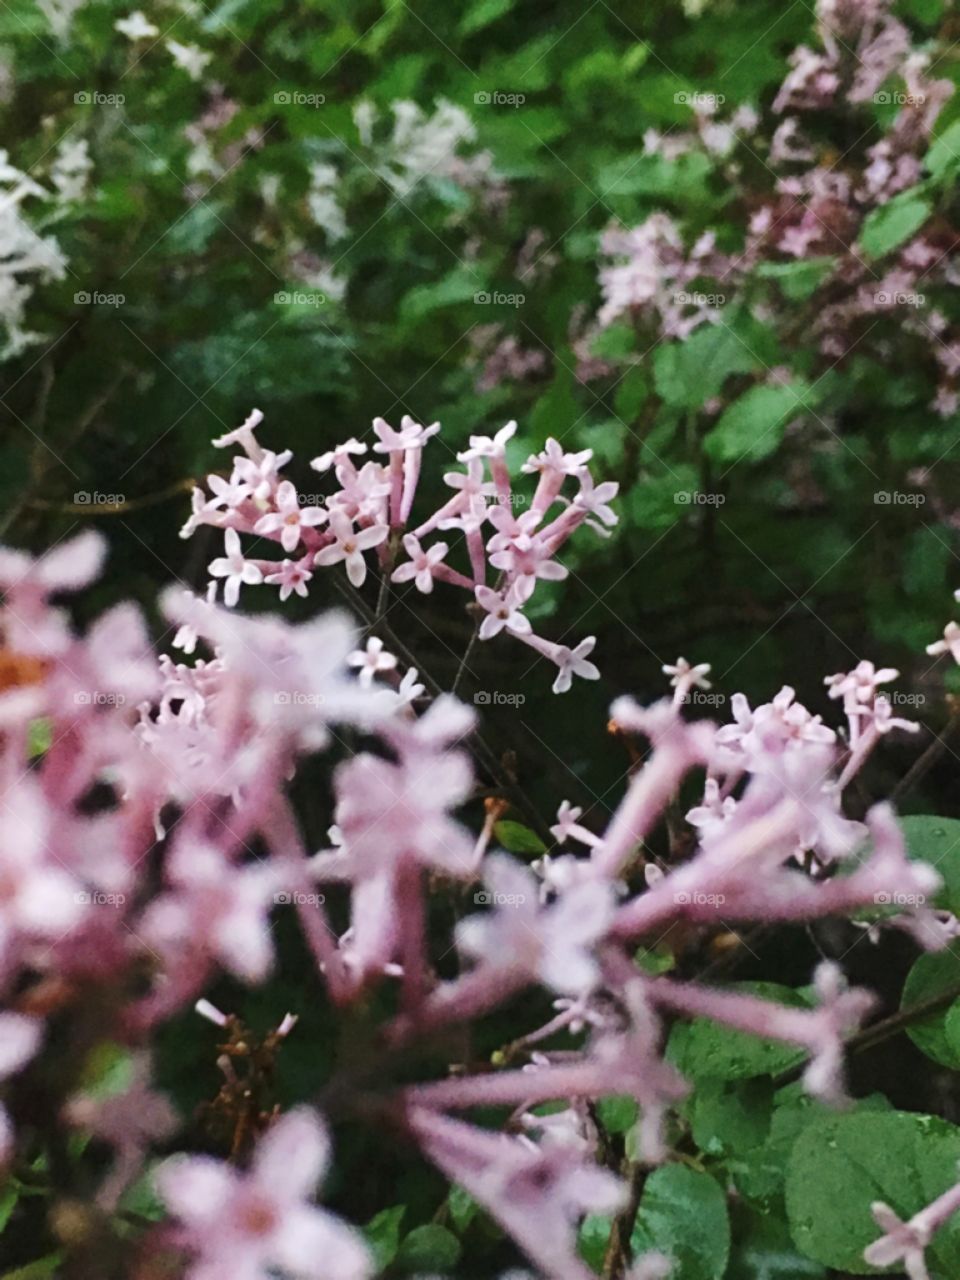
(684, 677)
(553, 943)
(235, 568)
(19, 1040)
(553, 459)
(243, 436)
(371, 660)
(247, 1225)
(335, 457)
(487, 446)
(293, 575)
(260, 473)
(421, 565)
(410, 436)
(573, 662)
(594, 500)
(949, 644)
(349, 545)
(503, 612)
(290, 517)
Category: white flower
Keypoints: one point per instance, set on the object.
(573, 662)
(136, 26)
(235, 568)
(371, 660)
(189, 58)
(350, 545)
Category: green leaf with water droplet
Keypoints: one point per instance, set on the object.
(843, 1163)
(683, 1213)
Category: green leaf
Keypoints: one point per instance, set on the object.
(843, 1163)
(617, 1114)
(481, 13)
(631, 394)
(9, 1195)
(932, 974)
(38, 1270)
(798, 280)
(39, 736)
(463, 1208)
(457, 287)
(752, 427)
(688, 374)
(593, 1239)
(683, 1213)
(516, 838)
(937, 841)
(943, 158)
(763, 1250)
(731, 1117)
(383, 1235)
(704, 1050)
(429, 1248)
(888, 226)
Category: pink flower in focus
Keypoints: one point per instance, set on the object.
(290, 517)
(292, 575)
(350, 545)
(235, 568)
(421, 564)
(503, 613)
(573, 662)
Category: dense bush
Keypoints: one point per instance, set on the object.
(657, 305)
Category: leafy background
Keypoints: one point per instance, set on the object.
(798, 573)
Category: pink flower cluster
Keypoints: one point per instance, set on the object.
(146, 848)
(506, 550)
(817, 208)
